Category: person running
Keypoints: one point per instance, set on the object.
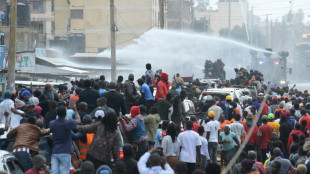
(275, 125)
(212, 133)
(190, 148)
(227, 139)
(264, 135)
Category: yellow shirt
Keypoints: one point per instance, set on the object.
(276, 127)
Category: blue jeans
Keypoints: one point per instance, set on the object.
(61, 163)
(24, 159)
(212, 148)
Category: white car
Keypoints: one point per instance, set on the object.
(221, 93)
(9, 163)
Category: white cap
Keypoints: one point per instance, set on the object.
(72, 79)
(99, 113)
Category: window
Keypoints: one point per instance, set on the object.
(38, 6)
(76, 14)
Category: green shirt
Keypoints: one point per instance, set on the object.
(230, 137)
(163, 108)
(151, 124)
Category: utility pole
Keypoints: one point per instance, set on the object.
(181, 14)
(12, 46)
(162, 14)
(112, 33)
(229, 18)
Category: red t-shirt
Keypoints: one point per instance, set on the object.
(266, 131)
(31, 171)
(195, 127)
(305, 117)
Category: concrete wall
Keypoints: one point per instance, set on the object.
(24, 38)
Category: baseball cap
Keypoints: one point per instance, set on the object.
(99, 113)
(228, 97)
(270, 116)
(264, 117)
(211, 113)
(72, 79)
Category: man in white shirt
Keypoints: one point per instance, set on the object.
(237, 128)
(7, 105)
(245, 97)
(154, 162)
(212, 128)
(190, 147)
(216, 109)
(204, 148)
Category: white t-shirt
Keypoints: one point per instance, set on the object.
(15, 119)
(6, 105)
(213, 127)
(217, 110)
(170, 148)
(238, 129)
(204, 147)
(189, 140)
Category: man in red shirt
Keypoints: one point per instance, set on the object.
(195, 124)
(303, 112)
(264, 135)
(162, 88)
(39, 165)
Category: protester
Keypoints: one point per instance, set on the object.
(154, 163)
(137, 128)
(177, 114)
(216, 109)
(26, 144)
(162, 88)
(62, 143)
(115, 100)
(151, 124)
(190, 148)
(89, 95)
(131, 163)
(227, 139)
(130, 92)
(264, 135)
(146, 95)
(163, 106)
(39, 165)
(105, 131)
(205, 158)
(212, 133)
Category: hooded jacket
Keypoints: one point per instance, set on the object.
(151, 125)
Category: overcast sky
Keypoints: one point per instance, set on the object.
(277, 8)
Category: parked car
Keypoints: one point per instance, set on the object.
(9, 163)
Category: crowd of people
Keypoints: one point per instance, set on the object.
(95, 126)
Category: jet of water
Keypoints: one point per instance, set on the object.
(183, 52)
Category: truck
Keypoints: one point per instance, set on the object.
(273, 66)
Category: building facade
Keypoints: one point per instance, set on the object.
(86, 24)
(229, 14)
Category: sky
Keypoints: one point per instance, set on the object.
(275, 9)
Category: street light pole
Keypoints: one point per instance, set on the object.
(113, 49)
(12, 46)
